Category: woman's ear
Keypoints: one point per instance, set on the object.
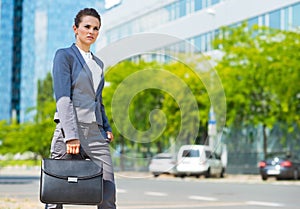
(75, 29)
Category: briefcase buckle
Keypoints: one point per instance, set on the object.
(72, 179)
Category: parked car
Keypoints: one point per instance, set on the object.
(196, 160)
(163, 163)
(280, 166)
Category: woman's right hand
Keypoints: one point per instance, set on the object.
(73, 146)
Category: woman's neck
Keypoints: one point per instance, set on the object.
(83, 47)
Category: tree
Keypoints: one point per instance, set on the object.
(260, 73)
(154, 105)
(34, 136)
(39, 133)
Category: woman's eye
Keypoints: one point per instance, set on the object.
(96, 28)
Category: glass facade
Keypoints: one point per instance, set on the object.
(285, 18)
(17, 59)
(279, 19)
(275, 18)
(295, 15)
(168, 13)
(47, 26)
(31, 32)
(30, 37)
(6, 57)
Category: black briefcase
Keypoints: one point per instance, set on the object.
(71, 182)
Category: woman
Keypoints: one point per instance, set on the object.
(82, 125)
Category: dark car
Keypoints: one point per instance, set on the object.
(280, 166)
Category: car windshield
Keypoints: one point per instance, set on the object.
(191, 153)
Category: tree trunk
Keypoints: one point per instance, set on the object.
(265, 143)
(159, 147)
(122, 159)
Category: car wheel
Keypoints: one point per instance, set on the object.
(222, 175)
(155, 175)
(207, 174)
(264, 177)
(182, 176)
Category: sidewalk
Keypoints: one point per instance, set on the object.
(18, 195)
(20, 171)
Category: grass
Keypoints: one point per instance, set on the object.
(4, 163)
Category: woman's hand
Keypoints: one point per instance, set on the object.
(110, 136)
(73, 146)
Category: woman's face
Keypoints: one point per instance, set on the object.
(87, 30)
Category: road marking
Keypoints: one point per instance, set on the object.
(267, 204)
(193, 197)
(158, 194)
(180, 206)
(121, 191)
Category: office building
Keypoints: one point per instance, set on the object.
(196, 21)
(30, 33)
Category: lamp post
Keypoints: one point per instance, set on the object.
(212, 124)
(212, 128)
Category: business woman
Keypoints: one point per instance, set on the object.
(82, 126)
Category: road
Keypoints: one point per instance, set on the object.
(168, 193)
(201, 193)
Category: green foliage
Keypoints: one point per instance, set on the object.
(160, 105)
(19, 163)
(36, 135)
(260, 72)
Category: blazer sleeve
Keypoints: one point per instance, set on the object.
(106, 125)
(62, 83)
(105, 121)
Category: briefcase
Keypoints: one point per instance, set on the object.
(71, 182)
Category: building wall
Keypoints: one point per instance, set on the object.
(46, 26)
(6, 43)
(187, 20)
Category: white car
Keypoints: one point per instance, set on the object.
(196, 160)
(163, 163)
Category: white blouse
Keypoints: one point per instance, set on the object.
(93, 66)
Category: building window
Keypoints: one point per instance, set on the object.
(215, 2)
(296, 15)
(197, 43)
(182, 8)
(198, 5)
(275, 19)
(286, 19)
(252, 21)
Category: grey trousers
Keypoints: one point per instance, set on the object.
(93, 145)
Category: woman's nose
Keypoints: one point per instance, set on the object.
(90, 31)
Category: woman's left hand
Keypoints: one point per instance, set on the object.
(110, 136)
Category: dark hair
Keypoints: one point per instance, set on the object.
(86, 12)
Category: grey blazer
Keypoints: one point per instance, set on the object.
(76, 100)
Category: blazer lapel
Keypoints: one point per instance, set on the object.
(100, 64)
(82, 62)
